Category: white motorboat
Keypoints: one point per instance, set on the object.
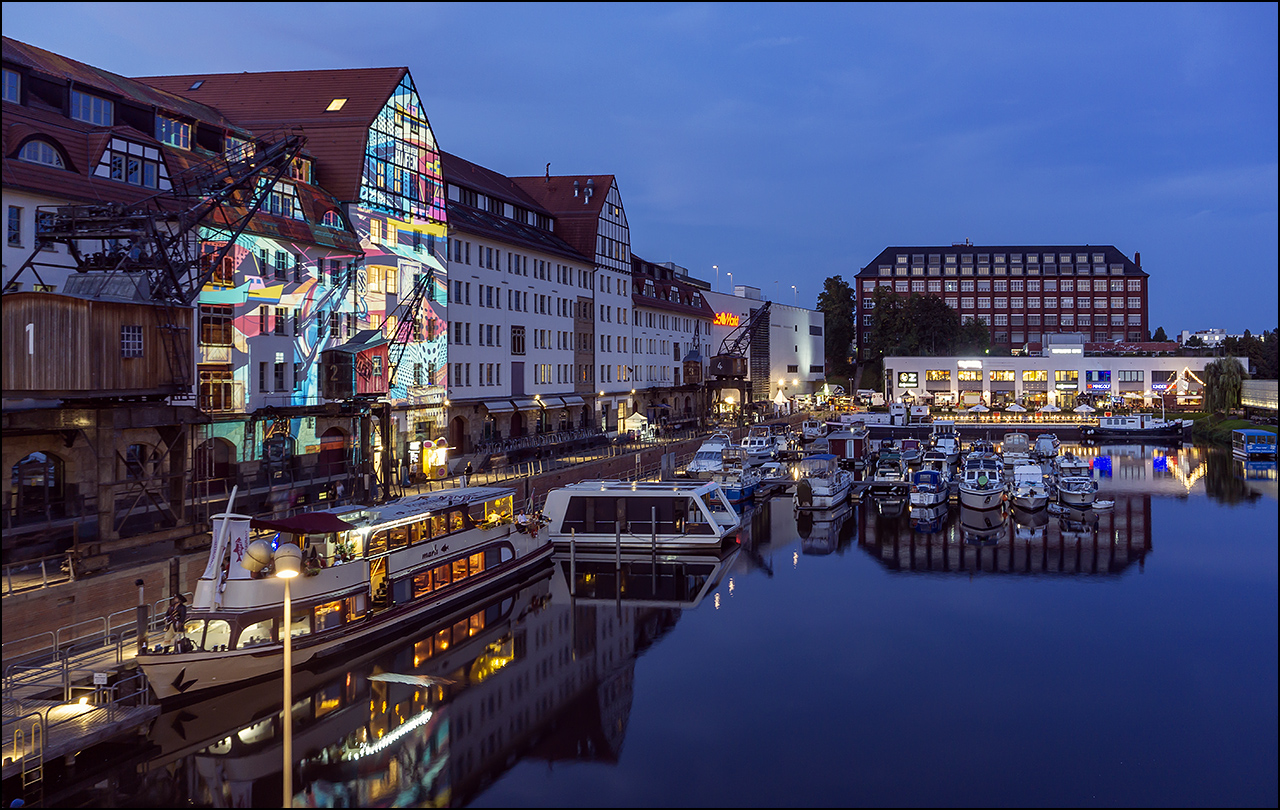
(820, 483)
(982, 484)
(1029, 490)
(1046, 446)
(708, 457)
(1069, 464)
(889, 480)
(760, 445)
(946, 440)
(641, 515)
(773, 475)
(736, 477)
(813, 429)
(1136, 427)
(369, 572)
(1015, 449)
(911, 452)
(929, 488)
(1076, 490)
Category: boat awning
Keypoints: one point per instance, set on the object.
(306, 523)
(573, 399)
(500, 406)
(525, 404)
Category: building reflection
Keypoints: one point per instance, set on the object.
(1009, 541)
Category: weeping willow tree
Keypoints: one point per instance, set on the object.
(1222, 384)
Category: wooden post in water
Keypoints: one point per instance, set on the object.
(573, 563)
(653, 553)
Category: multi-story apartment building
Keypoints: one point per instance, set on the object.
(375, 152)
(1022, 292)
(520, 313)
(589, 216)
(670, 339)
(250, 343)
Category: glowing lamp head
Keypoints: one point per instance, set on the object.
(288, 560)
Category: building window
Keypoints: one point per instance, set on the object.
(984, 302)
(216, 324)
(41, 152)
(12, 86)
(134, 164)
(15, 226)
(91, 109)
(517, 340)
(966, 303)
(131, 341)
(1135, 285)
(173, 132)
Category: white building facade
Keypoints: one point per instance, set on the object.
(792, 359)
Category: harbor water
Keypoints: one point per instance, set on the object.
(861, 656)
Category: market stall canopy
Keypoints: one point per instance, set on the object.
(306, 523)
(979, 408)
(635, 421)
(1083, 409)
(1050, 409)
(1016, 408)
(780, 399)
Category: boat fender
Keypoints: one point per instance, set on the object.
(804, 492)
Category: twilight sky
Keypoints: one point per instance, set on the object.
(787, 143)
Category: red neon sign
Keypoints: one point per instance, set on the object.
(725, 319)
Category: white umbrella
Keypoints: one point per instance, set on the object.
(1050, 409)
(1016, 408)
(1083, 409)
(979, 408)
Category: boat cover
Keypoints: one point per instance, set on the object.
(306, 523)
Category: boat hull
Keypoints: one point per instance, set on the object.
(1031, 502)
(1113, 434)
(179, 677)
(928, 498)
(981, 499)
(1071, 498)
(820, 497)
(739, 494)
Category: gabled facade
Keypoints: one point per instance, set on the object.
(671, 342)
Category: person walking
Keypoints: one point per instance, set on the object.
(466, 475)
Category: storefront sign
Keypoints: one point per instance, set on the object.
(908, 379)
(969, 364)
(725, 319)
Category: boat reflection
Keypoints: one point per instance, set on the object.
(821, 532)
(640, 579)
(1097, 543)
(928, 519)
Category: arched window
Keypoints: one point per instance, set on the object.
(331, 219)
(42, 152)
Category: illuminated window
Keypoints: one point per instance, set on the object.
(335, 105)
(173, 132)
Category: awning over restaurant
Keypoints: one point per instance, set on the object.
(500, 406)
(573, 399)
(552, 402)
(525, 404)
(305, 523)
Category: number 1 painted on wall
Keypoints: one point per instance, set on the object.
(31, 338)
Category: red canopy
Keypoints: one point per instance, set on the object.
(306, 523)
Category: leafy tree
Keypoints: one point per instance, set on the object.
(1195, 342)
(840, 316)
(1159, 336)
(1222, 383)
(975, 337)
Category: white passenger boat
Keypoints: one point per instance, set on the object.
(813, 429)
(946, 440)
(1029, 490)
(889, 480)
(982, 484)
(370, 572)
(708, 457)
(1135, 427)
(1046, 446)
(773, 475)
(681, 516)
(820, 483)
(1076, 490)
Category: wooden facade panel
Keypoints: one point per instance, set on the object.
(57, 344)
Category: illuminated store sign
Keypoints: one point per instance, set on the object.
(970, 364)
(908, 379)
(725, 319)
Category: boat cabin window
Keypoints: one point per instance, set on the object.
(208, 636)
(457, 520)
(398, 537)
(301, 624)
(328, 616)
(256, 634)
(355, 607)
(499, 510)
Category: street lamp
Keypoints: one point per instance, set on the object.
(288, 560)
(730, 275)
(795, 295)
(716, 268)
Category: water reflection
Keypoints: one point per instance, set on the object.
(1010, 541)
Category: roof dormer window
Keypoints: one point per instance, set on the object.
(41, 152)
(91, 109)
(173, 132)
(12, 86)
(133, 163)
(331, 219)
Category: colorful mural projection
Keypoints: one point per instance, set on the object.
(402, 226)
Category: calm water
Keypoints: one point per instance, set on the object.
(1125, 658)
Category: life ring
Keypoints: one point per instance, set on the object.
(982, 480)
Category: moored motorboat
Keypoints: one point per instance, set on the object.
(946, 440)
(366, 573)
(1029, 491)
(1046, 446)
(708, 458)
(982, 484)
(1015, 449)
(1135, 427)
(813, 429)
(929, 488)
(1069, 464)
(1076, 490)
(760, 445)
(820, 483)
(736, 477)
(911, 452)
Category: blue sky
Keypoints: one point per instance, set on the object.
(788, 143)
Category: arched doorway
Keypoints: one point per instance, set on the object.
(688, 406)
(517, 425)
(39, 486)
(333, 453)
(212, 469)
(459, 437)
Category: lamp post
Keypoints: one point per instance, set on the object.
(716, 268)
(287, 559)
(795, 295)
(730, 275)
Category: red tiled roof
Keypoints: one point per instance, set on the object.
(577, 217)
(463, 172)
(267, 101)
(666, 288)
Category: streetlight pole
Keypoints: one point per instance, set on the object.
(716, 267)
(730, 275)
(287, 559)
(795, 295)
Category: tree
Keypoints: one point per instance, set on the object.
(975, 337)
(1160, 336)
(840, 318)
(1222, 383)
(1195, 342)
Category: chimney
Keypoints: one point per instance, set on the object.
(1137, 259)
(575, 188)
(548, 180)
(590, 188)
